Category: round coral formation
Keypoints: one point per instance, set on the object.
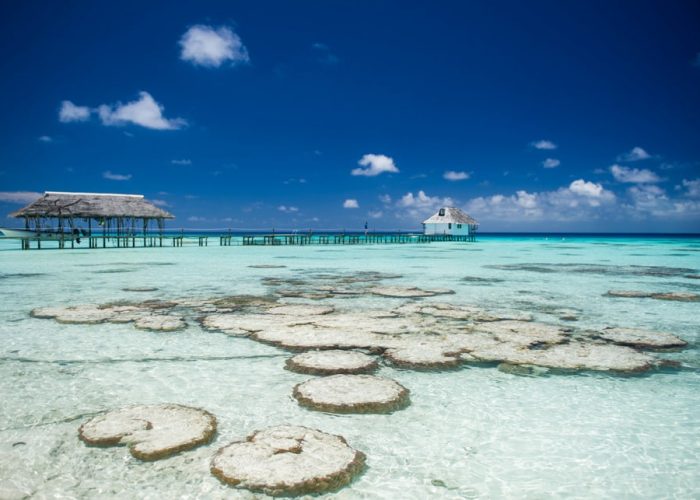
(331, 362)
(151, 432)
(352, 394)
(288, 461)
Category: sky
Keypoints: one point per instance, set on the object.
(530, 116)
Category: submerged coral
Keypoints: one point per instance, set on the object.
(417, 334)
(288, 461)
(675, 296)
(331, 362)
(152, 432)
(643, 339)
(352, 394)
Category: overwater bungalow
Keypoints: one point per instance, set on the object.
(62, 217)
(450, 221)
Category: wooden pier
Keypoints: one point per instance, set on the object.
(349, 239)
(181, 239)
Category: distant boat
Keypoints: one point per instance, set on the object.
(26, 234)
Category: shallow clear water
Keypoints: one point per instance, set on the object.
(471, 433)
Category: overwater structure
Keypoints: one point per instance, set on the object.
(126, 219)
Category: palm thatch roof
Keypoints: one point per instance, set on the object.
(450, 214)
(92, 205)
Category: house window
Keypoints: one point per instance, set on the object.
(459, 226)
(441, 213)
(449, 225)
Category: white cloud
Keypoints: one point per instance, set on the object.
(351, 203)
(211, 47)
(586, 188)
(375, 165)
(649, 200)
(19, 196)
(423, 200)
(375, 214)
(385, 199)
(543, 144)
(635, 154)
(420, 205)
(580, 200)
(45, 138)
(116, 177)
(287, 210)
(145, 112)
(551, 163)
(183, 161)
(69, 112)
(160, 203)
(525, 199)
(451, 175)
(195, 218)
(693, 187)
(633, 175)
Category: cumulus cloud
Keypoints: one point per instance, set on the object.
(385, 198)
(69, 112)
(420, 205)
(647, 198)
(287, 209)
(422, 200)
(351, 203)
(375, 214)
(19, 196)
(145, 112)
(584, 188)
(183, 161)
(116, 177)
(693, 187)
(543, 144)
(635, 154)
(375, 165)
(580, 200)
(211, 47)
(451, 175)
(160, 203)
(633, 175)
(652, 201)
(551, 163)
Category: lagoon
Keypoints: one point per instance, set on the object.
(473, 432)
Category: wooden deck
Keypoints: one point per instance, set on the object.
(348, 239)
(232, 239)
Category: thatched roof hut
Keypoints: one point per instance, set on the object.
(450, 215)
(92, 206)
(70, 216)
(450, 221)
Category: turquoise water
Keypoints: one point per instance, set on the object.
(471, 433)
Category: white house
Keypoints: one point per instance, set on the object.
(450, 221)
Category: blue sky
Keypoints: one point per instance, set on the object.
(532, 116)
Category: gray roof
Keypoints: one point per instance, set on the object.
(454, 215)
(92, 205)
